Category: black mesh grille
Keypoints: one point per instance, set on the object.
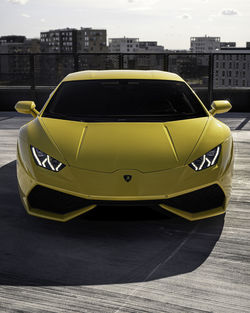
(197, 201)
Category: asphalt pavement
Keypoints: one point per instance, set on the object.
(124, 259)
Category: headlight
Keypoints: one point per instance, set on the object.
(207, 160)
(44, 160)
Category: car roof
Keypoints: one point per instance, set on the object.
(122, 74)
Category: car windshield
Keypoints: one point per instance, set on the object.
(124, 100)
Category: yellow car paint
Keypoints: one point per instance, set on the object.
(98, 155)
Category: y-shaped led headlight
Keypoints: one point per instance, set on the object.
(44, 160)
(207, 160)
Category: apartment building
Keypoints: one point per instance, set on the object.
(59, 40)
(92, 40)
(11, 66)
(133, 45)
(150, 47)
(12, 39)
(232, 68)
(72, 40)
(123, 45)
(204, 44)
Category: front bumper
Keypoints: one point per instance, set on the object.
(46, 202)
(71, 192)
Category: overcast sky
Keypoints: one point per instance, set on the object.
(171, 23)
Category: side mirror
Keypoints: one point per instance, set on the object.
(220, 106)
(26, 107)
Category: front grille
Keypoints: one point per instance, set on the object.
(58, 202)
(127, 203)
(197, 201)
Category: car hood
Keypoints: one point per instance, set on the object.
(107, 147)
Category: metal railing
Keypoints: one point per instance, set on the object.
(202, 71)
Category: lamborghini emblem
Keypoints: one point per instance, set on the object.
(127, 178)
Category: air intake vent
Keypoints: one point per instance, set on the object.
(197, 201)
(54, 201)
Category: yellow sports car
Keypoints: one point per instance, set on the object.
(124, 138)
